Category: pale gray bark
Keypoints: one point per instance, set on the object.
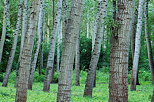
(58, 46)
(137, 45)
(6, 20)
(24, 26)
(97, 47)
(72, 29)
(50, 62)
(149, 47)
(77, 61)
(14, 45)
(39, 33)
(22, 86)
(118, 82)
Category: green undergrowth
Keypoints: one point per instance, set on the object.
(100, 92)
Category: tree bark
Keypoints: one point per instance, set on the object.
(148, 41)
(72, 29)
(14, 45)
(118, 84)
(97, 47)
(137, 45)
(39, 33)
(6, 20)
(58, 46)
(22, 86)
(50, 62)
(24, 30)
(77, 61)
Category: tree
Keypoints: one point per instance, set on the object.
(137, 45)
(97, 47)
(6, 20)
(148, 41)
(77, 61)
(50, 62)
(118, 84)
(68, 53)
(39, 34)
(22, 85)
(14, 45)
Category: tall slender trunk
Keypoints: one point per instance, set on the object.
(22, 86)
(137, 45)
(14, 45)
(6, 21)
(118, 84)
(149, 47)
(50, 62)
(72, 29)
(24, 26)
(39, 33)
(24, 30)
(58, 46)
(97, 47)
(77, 61)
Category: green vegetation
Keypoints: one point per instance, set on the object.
(143, 93)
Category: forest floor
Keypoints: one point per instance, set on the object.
(100, 92)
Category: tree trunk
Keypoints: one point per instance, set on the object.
(97, 47)
(58, 46)
(149, 47)
(118, 84)
(6, 21)
(22, 86)
(77, 61)
(134, 23)
(15, 40)
(50, 62)
(24, 30)
(72, 29)
(137, 45)
(24, 26)
(39, 33)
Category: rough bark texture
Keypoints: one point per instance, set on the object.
(149, 47)
(97, 47)
(50, 62)
(77, 61)
(24, 25)
(39, 33)
(14, 45)
(137, 45)
(6, 21)
(118, 84)
(72, 29)
(24, 30)
(22, 86)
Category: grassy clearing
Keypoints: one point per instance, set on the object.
(100, 94)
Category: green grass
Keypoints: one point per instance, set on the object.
(100, 93)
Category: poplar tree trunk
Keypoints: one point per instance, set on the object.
(97, 47)
(72, 29)
(137, 45)
(77, 61)
(24, 30)
(24, 26)
(14, 45)
(58, 46)
(149, 47)
(6, 20)
(50, 62)
(118, 84)
(39, 33)
(22, 86)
